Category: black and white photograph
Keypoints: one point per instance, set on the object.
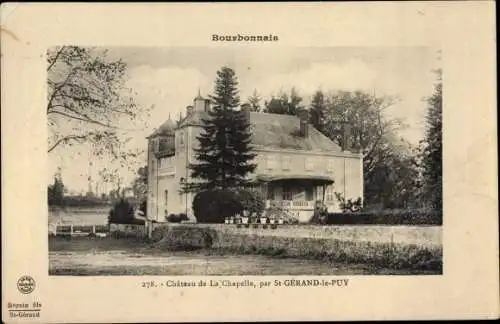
(236, 162)
(244, 160)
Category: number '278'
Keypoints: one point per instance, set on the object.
(148, 284)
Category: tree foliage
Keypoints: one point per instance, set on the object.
(394, 181)
(140, 183)
(252, 202)
(318, 111)
(88, 103)
(55, 192)
(285, 104)
(86, 90)
(254, 102)
(432, 154)
(123, 213)
(224, 155)
(389, 167)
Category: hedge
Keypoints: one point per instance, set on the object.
(177, 218)
(398, 218)
(213, 206)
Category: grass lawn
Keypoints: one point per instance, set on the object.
(115, 257)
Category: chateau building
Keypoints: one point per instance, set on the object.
(296, 163)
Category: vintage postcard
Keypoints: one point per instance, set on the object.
(246, 162)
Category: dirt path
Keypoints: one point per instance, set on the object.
(123, 263)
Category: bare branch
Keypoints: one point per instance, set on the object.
(67, 139)
(58, 88)
(55, 58)
(84, 118)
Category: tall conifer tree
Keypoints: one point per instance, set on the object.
(224, 157)
(318, 109)
(433, 152)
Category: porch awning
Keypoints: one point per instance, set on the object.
(283, 177)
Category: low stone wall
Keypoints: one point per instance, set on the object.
(418, 235)
(379, 247)
(128, 230)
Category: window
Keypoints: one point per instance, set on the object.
(285, 163)
(329, 193)
(155, 145)
(166, 197)
(181, 138)
(272, 162)
(287, 193)
(330, 166)
(309, 164)
(319, 193)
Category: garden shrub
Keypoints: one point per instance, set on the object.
(410, 217)
(276, 211)
(176, 218)
(213, 206)
(123, 213)
(349, 205)
(320, 214)
(251, 201)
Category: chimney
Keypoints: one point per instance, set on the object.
(346, 141)
(199, 102)
(304, 122)
(189, 110)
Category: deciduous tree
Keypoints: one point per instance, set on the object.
(391, 178)
(87, 99)
(285, 104)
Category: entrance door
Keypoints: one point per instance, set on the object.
(309, 194)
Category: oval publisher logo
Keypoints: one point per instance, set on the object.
(26, 284)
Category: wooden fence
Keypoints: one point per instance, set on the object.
(117, 230)
(80, 230)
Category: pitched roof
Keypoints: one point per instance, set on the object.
(277, 132)
(167, 128)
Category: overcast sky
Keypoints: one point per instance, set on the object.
(169, 79)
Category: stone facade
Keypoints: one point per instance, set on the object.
(298, 164)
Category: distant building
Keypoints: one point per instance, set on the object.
(297, 164)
